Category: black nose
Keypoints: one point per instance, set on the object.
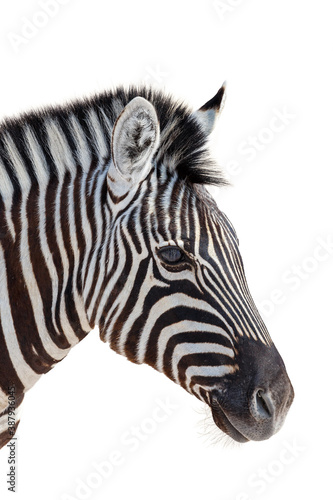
(261, 405)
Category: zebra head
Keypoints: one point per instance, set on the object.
(179, 299)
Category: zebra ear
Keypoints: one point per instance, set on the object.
(209, 112)
(135, 137)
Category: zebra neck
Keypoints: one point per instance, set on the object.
(48, 247)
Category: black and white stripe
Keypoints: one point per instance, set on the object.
(81, 236)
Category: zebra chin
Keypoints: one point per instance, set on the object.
(224, 424)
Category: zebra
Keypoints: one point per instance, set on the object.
(106, 220)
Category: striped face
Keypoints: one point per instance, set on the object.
(181, 304)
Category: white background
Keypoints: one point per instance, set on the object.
(276, 57)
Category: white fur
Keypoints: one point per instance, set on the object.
(59, 148)
(138, 113)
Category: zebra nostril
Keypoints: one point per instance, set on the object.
(262, 407)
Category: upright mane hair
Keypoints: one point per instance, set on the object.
(182, 139)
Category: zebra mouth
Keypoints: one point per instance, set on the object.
(223, 423)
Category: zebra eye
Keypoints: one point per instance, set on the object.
(171, 255)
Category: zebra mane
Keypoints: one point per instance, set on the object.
(182, 140)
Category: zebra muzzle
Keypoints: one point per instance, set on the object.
(255, 407)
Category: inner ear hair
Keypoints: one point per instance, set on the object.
(135, 139)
